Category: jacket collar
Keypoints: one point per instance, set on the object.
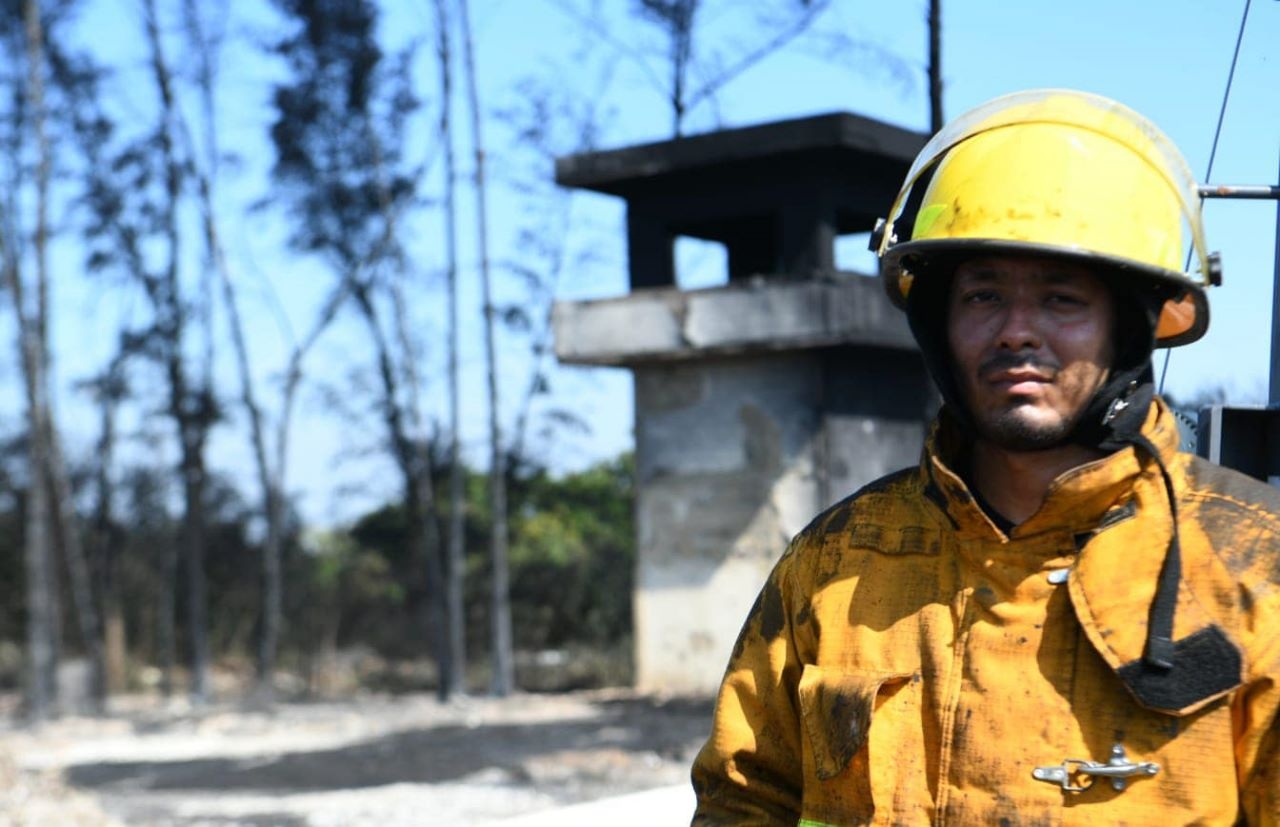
(1113, 579)
(1078, 501)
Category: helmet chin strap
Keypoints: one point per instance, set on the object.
(1124, 410)
(1113, 421)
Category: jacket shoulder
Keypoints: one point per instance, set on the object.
(836, 519)
(888, 517)
(1209, 478)
(1239, 514)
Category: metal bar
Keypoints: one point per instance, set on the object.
(1273, 395)
(1255, 191)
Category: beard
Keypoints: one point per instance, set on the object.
(1011, 430)
(1016, 427)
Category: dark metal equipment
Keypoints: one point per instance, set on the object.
(1243, 438)
(1246, 439)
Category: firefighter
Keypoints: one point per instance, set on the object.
(1057, 617)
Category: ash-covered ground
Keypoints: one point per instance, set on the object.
(381, 761)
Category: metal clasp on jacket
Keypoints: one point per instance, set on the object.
(1118, 768)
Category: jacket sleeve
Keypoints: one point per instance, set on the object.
(1257, 725)
(750, 772)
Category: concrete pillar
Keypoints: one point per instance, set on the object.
(726, 474)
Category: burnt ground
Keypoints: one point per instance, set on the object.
(375, 760)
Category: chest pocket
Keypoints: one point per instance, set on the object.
(864, 758)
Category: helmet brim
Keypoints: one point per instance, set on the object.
(1184, 317)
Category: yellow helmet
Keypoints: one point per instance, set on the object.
(1062, 173)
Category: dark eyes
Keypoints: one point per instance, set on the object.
(977, 297)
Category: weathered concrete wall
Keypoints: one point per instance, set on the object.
(876, 406)
(662, 324)
(734, 456)
(725, 475)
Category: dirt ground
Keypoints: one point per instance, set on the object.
(376, 760)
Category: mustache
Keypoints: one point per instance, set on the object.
(1009, 360)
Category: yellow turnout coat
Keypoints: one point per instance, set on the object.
(909, 663)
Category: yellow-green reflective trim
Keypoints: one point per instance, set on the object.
(928, 215)
(808, 822)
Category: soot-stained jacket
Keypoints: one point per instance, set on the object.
(907, 662)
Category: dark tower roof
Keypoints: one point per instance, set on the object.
(776, 195)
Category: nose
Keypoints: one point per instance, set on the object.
(1019, 326)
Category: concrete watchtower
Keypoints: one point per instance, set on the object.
(760, 402)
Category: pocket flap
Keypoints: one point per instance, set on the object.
(1112, 587)
(837, 709)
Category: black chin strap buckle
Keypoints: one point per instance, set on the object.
(1119, 404)
(1114, 409)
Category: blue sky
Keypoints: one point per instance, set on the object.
(1168, 60)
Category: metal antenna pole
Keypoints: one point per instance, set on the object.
(1261, 192)
(1273, 392)
(1248, 439)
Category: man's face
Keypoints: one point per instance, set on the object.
(1031, 342)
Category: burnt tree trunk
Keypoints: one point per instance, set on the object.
(503, 678)
(455, 568)
(189, 408)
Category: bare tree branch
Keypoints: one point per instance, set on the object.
(637, 58)
(788, 32)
